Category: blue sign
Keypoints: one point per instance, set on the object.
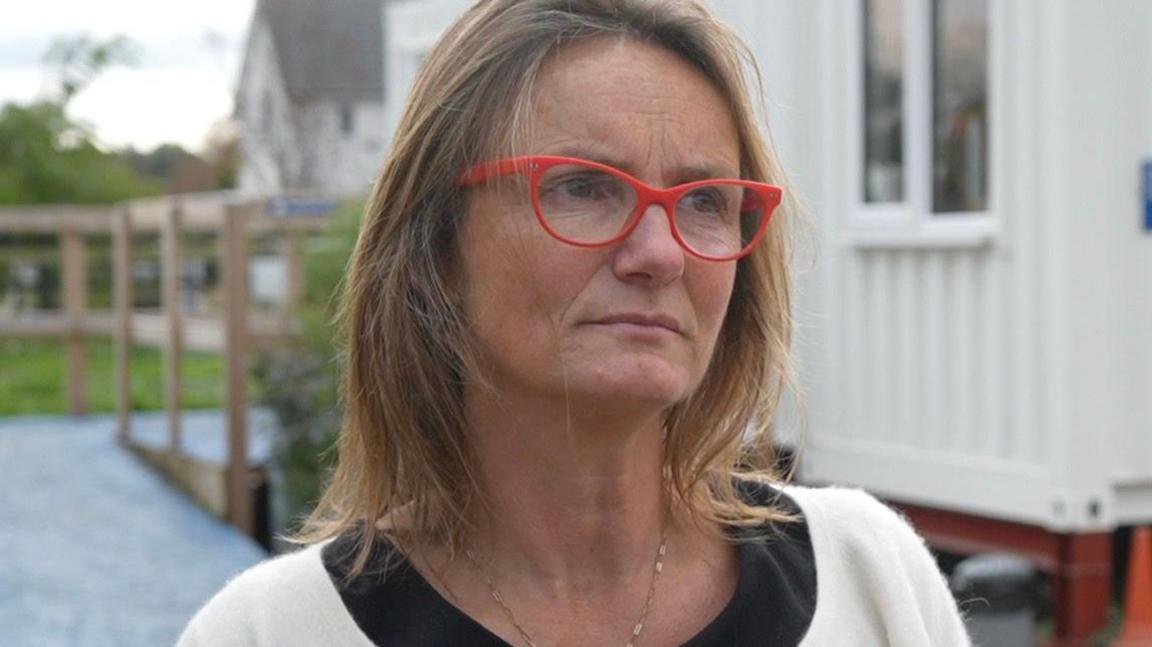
(285, 207)
(1148, 195)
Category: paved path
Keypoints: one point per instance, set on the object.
(96, 549)
(202, 433)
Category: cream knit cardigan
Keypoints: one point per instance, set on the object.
(877, 585)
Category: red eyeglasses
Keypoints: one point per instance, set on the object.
(588, 204)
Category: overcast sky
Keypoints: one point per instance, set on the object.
(189, 57)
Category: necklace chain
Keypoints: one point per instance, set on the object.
(657, 568)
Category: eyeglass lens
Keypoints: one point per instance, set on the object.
(588, 205)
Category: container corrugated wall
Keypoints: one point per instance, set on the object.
(1001, 366)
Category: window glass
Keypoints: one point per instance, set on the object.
(960, 105)
(347, 119)
(267, 116)
(883, 101)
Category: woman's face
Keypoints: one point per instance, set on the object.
(633, 323)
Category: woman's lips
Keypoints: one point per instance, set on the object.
(652, 322)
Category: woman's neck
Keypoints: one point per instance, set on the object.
(575, 501)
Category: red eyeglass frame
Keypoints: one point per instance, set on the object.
(646, 194)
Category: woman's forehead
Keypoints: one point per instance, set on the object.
(624, 102)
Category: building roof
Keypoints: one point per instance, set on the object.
(328, 50)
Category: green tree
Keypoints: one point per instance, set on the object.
(77, 60)
(46, 156)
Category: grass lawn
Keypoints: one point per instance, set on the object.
(32, 377)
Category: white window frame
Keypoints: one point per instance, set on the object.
(912, 223)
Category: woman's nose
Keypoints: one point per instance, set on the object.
(650, 253)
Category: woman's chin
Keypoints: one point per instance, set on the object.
(654, 385)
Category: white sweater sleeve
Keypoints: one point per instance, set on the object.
(287, 601)
(877, 584)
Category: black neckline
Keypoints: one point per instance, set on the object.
(759, 557)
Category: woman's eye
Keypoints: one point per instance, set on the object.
(579, 187)
(707, 201)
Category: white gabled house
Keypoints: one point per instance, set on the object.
(976, 334)
(310, 100)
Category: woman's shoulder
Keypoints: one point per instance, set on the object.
(281, 596)
(847, 503)
(850, 513)
(291, 568)
(854, 517)
(875, 570)
(854, 524)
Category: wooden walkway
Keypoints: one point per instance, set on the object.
(96, 548)
(223, 224)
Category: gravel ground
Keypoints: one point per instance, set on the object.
(96, 549)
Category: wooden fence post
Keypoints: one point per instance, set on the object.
(75, 301)
(234, 260)
(170, 258)
(122, 282)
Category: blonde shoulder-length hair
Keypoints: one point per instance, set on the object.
(403, 450)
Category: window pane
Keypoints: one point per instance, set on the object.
(960, 105)
(883, 101)
(347, 118)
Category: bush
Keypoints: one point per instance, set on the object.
(300, 380)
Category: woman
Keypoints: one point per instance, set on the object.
(568, 307)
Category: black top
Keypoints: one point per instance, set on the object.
(773, 604)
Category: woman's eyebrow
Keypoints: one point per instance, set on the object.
(682, 174)
(695, 172)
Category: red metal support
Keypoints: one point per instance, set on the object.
(1082, 588)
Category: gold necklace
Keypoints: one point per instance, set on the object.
(656, 570)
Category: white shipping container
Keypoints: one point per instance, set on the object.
(997, 362)
(992, 360)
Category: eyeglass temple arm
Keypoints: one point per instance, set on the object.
(485, 170)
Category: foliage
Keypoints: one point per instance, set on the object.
(300, 381)
(160, 162)
(46, 157)
(182, 171)
(77, 60)
(34, 370)
(222, 152)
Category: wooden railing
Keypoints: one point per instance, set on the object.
(234, 331)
